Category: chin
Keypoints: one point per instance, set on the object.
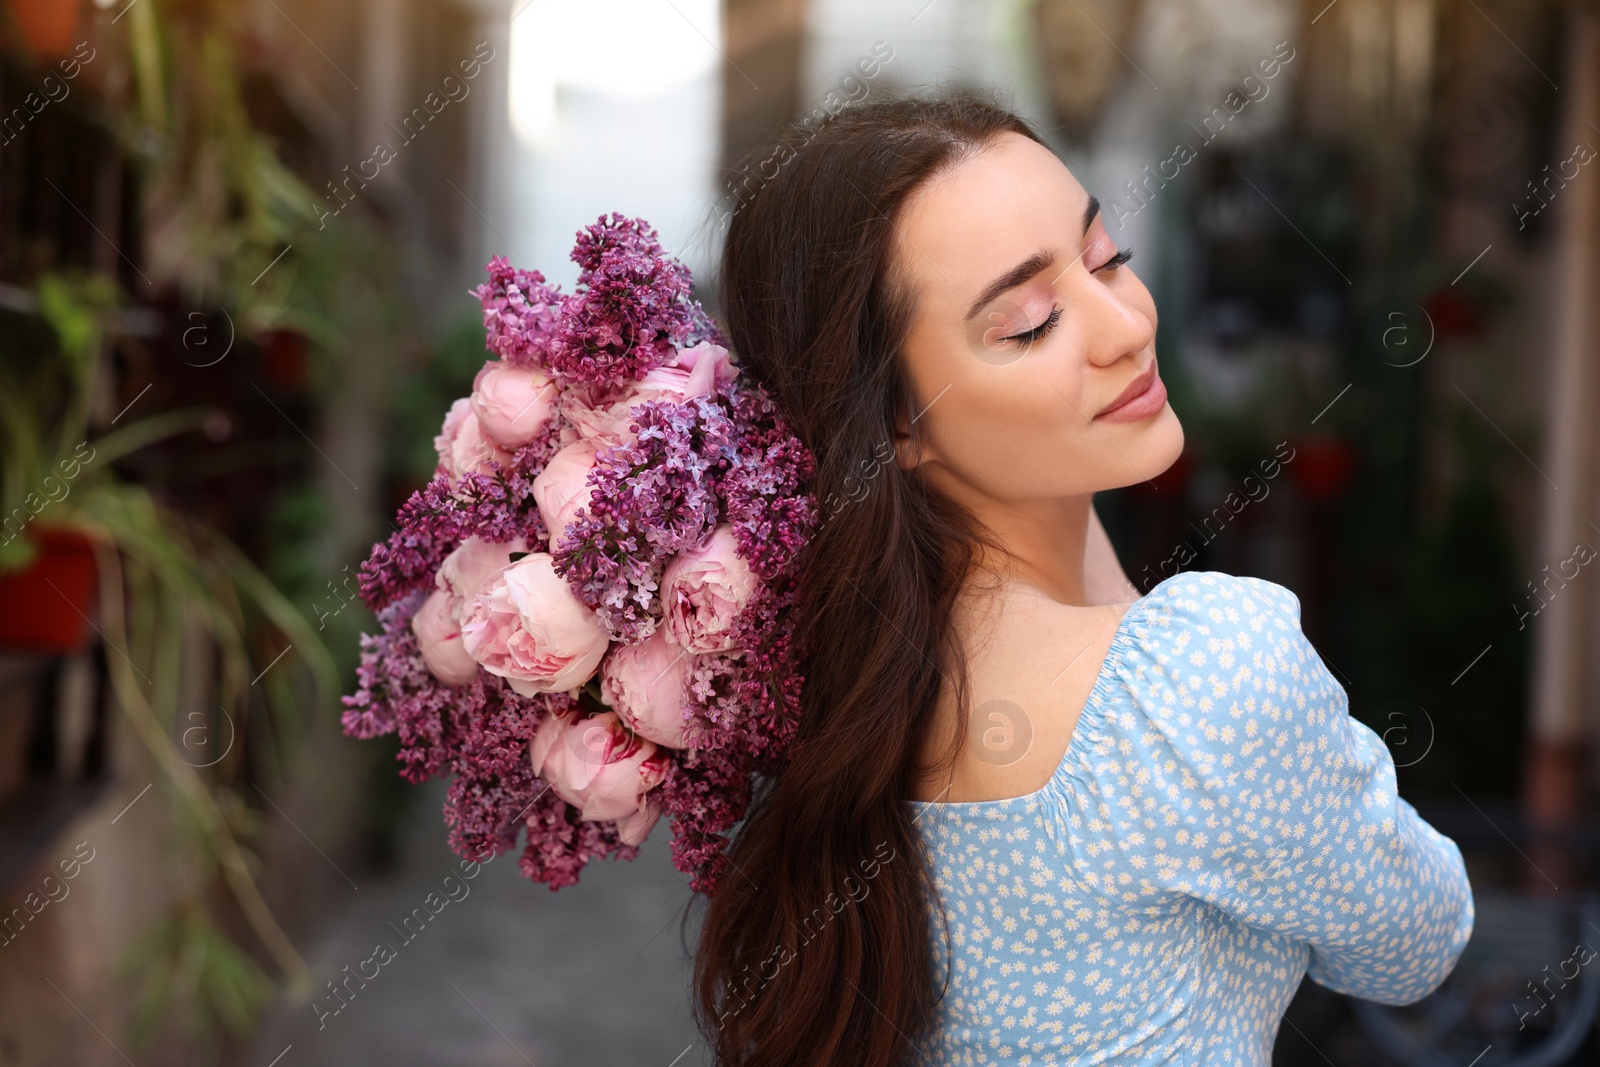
(1153, 449)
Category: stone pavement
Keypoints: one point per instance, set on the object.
(510, 974)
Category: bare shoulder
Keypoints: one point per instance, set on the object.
(1032, 664)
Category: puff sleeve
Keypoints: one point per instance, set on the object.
(1259, 795)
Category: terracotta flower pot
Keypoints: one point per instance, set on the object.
(46, 607)
(50, 27)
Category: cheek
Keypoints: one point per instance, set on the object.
(1013, 426)
(1054, 378)
(1012, 429)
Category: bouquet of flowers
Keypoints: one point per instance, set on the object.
(585, 614)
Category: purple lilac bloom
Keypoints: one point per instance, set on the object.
(772, 514)
(496, 505)
(613, 232)
(649, 500)
(634, 309)
(749, 709)
(560, 844)
(397, 692)
(519, 313)
(494, 783)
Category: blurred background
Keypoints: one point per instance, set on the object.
(236, 240)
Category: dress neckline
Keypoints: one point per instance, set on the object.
(1092, 703)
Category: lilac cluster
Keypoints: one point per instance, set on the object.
(772, 515)
(747, 707)
(634, 311)
(726, 456)
(397, 693)
(496, 505)
(651, 499)
(519, 313)
(480, 734)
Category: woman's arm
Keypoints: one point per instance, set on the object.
(1103, 579)
(1269, 802)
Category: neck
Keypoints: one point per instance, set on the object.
(1042, 545)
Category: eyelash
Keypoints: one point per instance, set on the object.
(1028, 337)
(1118, 260)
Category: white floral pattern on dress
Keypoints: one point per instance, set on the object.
(1219, 828)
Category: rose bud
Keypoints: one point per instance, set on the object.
(561, 488)
(465, 571)
(461, 444)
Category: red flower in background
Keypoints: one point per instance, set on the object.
(1322, 466)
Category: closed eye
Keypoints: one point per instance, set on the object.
(1028, 337)
(1115, 261)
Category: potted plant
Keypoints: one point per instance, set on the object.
(46, 606)
(139, 573)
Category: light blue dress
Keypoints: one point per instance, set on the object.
(1218, 828)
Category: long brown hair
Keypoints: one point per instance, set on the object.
(816, 948)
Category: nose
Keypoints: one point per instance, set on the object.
(1121, 314)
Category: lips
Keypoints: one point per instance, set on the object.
(1135, 387)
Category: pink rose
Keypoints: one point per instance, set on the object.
(561, 489)
(439, 640)
(602, 416)
(599, 767)
(702, 592)
(702, 370)
(597, 414)
(527, 627)
(646, 685)
(461, 444)
(512, 403)
(465, 571)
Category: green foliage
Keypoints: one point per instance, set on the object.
(219, 208)
(74, 304)
(163, 573)
(186, 955)
(220, 204)
(44, 405)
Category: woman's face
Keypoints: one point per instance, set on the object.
(1027, 331)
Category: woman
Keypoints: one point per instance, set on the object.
(1026, 821)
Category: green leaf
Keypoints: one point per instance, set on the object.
(187, 970)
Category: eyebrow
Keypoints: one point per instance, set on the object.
(1090, 212)
(1034, 264)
